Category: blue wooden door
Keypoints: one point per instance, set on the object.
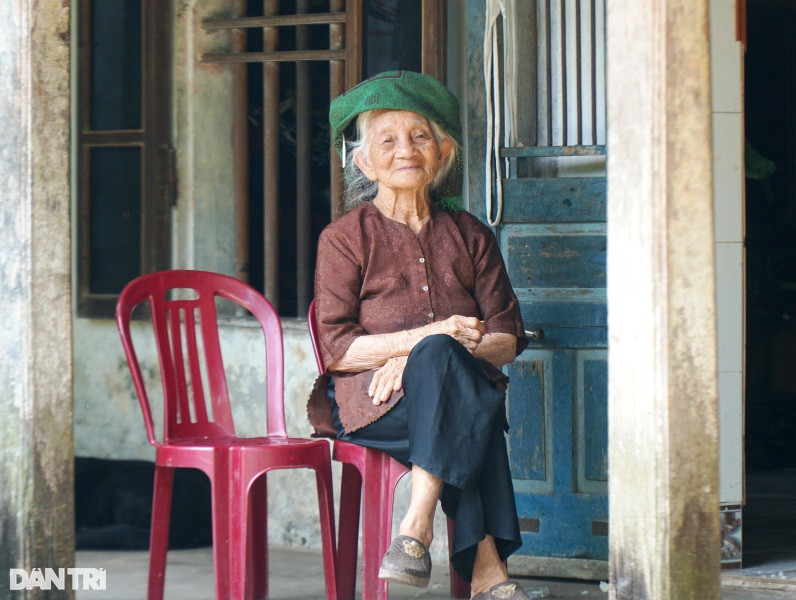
(553, 239)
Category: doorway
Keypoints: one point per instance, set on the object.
(769, 545)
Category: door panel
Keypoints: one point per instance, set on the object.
(529, 407)
(580, 200)
(557, 517)
(591, 435)
(569, 318)
(553, 256)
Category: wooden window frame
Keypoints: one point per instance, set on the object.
(154, 139)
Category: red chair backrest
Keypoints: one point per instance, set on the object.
(186, 337)
(313, 325)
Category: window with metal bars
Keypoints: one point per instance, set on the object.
(125, 165)
(289, 58)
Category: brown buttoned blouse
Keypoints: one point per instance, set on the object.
(374, 275)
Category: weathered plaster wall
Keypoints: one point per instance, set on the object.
(36, 525)
(108, 420)
(203, 236)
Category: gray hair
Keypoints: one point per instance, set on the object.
(358, 188)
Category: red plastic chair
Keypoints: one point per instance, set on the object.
(368, 481)
(198, 430)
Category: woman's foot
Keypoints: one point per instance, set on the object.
(507, 590)
(407, 561)
(483, 582)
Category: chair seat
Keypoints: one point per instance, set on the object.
(254, 442)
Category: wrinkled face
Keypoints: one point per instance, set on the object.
(402, 152)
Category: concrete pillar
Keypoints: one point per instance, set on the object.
(36, 473)
(664, 526)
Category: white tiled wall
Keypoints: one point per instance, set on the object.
(728, 193)
(729, 308)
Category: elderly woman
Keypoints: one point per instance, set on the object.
(415, 316)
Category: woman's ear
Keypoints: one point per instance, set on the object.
(445, 147)
(363, 162)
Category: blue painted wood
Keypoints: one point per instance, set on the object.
(542, 151)
(563, 424)
(565, 517)
(550, 313)
(559, 261)
(577, 200)
(528, 416)
(595, 417)
(565, 525)
(567, 324)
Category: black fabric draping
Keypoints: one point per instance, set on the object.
(451, 422)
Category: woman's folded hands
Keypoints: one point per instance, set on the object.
(468, 331)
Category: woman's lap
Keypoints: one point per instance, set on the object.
(450, 423)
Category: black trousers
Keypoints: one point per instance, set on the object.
(451, 423)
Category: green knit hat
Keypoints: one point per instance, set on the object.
(403, 90)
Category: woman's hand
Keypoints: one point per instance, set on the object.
(387, 379)
(468, 331)
(373, 351)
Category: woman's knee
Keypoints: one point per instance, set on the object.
(439, 349)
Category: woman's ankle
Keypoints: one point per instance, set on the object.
(420, 529)
(488, 570)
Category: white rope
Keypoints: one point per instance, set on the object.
(344, 152)
(494, 9)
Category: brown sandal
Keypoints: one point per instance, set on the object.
(406, 561)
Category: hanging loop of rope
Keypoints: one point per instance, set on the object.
(495, 9)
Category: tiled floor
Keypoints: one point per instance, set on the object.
(297, 575)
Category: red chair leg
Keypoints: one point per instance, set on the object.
(348, 532)
(258, 540)
(323, 477)
(460, 588)
(159, 533)
(220, 495)
(238, 518)
(373, 540)
(381, 477)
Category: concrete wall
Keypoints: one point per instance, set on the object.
(108, 420)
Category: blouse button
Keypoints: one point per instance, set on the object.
(424, 288)
(431, 315)
(422, 260)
